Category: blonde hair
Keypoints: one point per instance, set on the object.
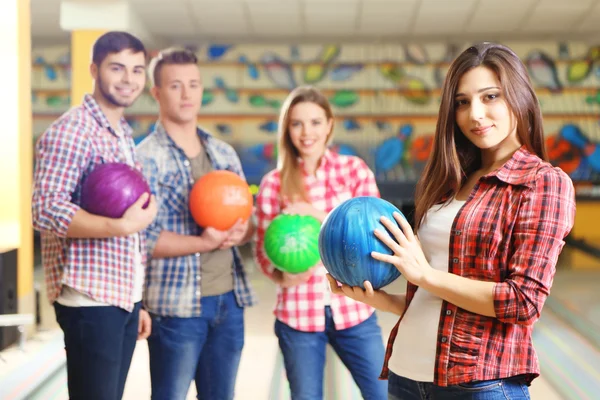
(292, 184)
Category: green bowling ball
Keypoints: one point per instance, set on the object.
(292, 242)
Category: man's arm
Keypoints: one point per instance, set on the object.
(160, 241)
(62, 156)
(135, 219)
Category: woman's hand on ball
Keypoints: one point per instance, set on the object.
(408, 256)
(354, 292)
(378, 299)
(136, 218)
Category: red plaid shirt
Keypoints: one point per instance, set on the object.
(338, 178)
(510, 231)
(102, 269)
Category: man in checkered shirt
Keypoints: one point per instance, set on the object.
(94, 265)
(197, 286)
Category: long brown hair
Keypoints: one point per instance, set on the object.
(292, 184)
(454, 157)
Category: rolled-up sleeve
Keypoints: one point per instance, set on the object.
(62, 154)
(545, 218)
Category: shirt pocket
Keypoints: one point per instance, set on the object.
(483, 255)
(107, 148)
(173, 193)
(466, 339)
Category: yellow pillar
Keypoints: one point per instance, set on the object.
(82, 42)
(16, 151)
(25, 258)
(586, 221)
(586, 227)
(10, 229)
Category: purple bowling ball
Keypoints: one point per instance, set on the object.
(111, 188)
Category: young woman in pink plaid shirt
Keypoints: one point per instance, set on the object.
(491, 217)
(312, 180)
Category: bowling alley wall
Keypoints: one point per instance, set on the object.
(385, 98)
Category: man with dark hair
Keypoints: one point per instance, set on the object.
(196, 286)
(94, 265)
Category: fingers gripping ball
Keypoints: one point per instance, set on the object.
(292, 242)
(346, 241)
(111, 188)
(219, 199)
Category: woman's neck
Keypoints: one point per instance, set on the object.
(311, 164)
(494, 158)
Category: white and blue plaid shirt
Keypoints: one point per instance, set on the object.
(173, 284)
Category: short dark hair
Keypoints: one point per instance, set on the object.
(116, 42)
(170, 56)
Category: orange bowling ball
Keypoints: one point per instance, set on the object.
(219, 199)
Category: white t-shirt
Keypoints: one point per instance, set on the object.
(72, 298)
(415, 346)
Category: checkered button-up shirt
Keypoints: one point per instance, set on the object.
(337, 179)
(173, 284)
(66, 153)
(510, 231)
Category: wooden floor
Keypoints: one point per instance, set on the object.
(566, 340)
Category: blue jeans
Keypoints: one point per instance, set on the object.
(99, 342)
(401, 388)
(360, 348)
(206, 349)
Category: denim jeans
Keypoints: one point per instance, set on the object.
(401, 388)
(99, 342)
(360, 348)
(206, 349)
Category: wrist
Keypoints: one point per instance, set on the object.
(202, 245)
(117, 227)
(429, 279)
(389, 305)
(397, 303)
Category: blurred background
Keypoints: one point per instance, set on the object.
(381, 64)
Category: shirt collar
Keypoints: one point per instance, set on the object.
(520, 169)
(91, 105)
(326, 158)
(165, 139)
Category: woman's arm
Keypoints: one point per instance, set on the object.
(545, 217)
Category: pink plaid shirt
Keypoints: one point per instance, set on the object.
(337, 179)
(102, 269)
